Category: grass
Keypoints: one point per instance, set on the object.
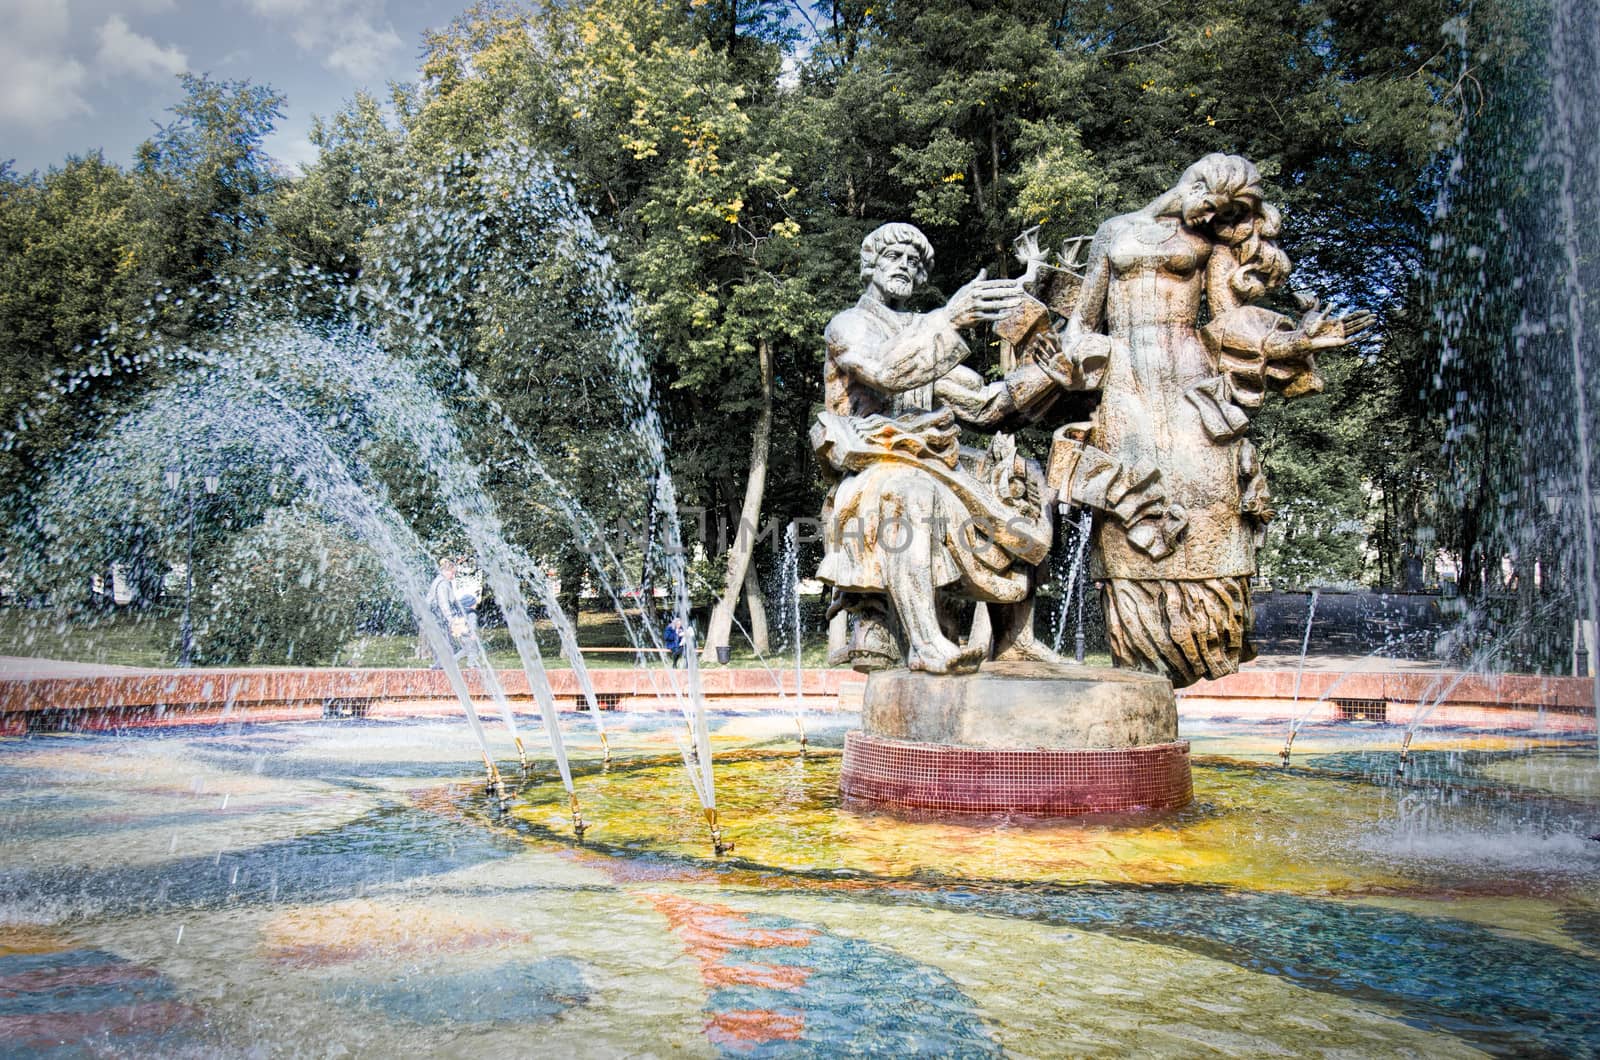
(151, 639)
(113, 639)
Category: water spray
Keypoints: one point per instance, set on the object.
(777, 682)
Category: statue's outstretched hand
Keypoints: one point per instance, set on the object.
(1077, 366)
(1321, 329)
(983, 300)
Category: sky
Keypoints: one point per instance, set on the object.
(83, 75)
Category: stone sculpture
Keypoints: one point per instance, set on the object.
(1175, 398)
(918, 525)
(916, 521)
(1153, 354)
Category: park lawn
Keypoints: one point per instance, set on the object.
(114, 638)
(151, 639)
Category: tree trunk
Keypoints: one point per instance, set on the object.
(570, 568)
(744, 534)
(755, 601)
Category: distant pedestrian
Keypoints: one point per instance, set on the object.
(675, 638)
(446, 607)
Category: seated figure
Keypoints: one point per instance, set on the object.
(916, 523)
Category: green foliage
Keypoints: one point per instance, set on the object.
(291, 589)
(204, 180)
(734, 154)
(1311, 449)
(362, 172)
(69, 255)
(92, 255)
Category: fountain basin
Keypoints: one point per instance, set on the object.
(342, 886)
(1017, 738)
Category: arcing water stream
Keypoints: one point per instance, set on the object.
(463, 244)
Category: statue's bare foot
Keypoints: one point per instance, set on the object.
(946, 658)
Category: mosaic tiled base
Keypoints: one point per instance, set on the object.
(934, 778)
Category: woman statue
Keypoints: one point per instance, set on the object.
(1175, 398)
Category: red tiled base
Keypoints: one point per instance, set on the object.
(937, 778)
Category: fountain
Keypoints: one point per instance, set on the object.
(240, 883)
(920, 528)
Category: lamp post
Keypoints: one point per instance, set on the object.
(176, 479)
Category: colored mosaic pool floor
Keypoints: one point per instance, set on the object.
(342, 886)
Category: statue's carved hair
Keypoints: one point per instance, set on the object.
(890, 235)
(1253, 239)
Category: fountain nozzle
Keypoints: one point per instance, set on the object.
(1405, 753)
(605, 750)
(1287, 746)
(496, 786)
(801, 725)
(522, 756)
(579, 825)
(719, 845)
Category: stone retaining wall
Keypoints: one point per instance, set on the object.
(183, 697)
(1448, 697)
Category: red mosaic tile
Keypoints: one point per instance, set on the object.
(741, 1030)
(923, 778)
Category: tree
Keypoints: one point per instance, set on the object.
(360, 178)
(670, 128)
(287, 591)
(203, 184)
(69, 253)
(98, 261)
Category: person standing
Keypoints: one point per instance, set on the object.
(447, 607)
(674, 639)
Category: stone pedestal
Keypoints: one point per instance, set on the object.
(1017, 738)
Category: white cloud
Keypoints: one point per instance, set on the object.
(363, 51)
(40, 82)
(123, 51)
(34, 21)
(353, 37)
(39, 90)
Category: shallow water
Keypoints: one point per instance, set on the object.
(333, 886)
